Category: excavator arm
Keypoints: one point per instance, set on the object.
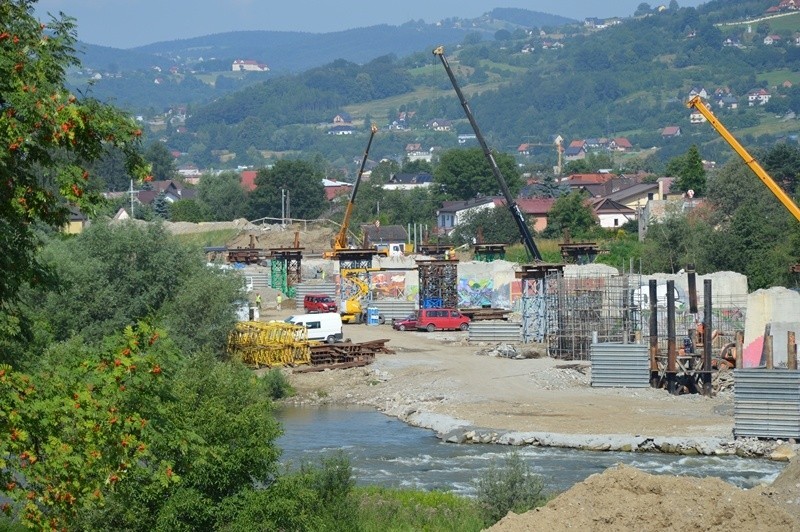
(516, 213)
(779, 193)
(340, 241)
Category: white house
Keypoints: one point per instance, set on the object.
(248, 65)
(452, 213)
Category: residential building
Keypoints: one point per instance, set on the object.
(248, 65)
(611, 214)
(451, 213)
(671, 131)
(758, 97)
(341, 130)
(342, 119)
(408, 181)
(334, 189)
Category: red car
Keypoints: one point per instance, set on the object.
(431, 319)
(409, 323)
(318, 303)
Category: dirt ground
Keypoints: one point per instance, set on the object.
(442, 374)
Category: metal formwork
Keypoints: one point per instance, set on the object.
(617, 365)
(495, 331)
(272, 344)
(392, 309)
(438, 283)
(766, 403)
(285, 267)
(538, 283)
(302, 289)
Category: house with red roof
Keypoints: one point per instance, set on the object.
(670, 132)
(248, 180)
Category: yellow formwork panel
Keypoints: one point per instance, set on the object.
(272, 344)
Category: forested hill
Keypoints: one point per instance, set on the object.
(628, 79)
(285, 51)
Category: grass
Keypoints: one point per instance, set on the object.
(382, 107)
(385, 509)
(777, 77)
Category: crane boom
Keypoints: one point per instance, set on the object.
(779, 193)
(516, 213)
(340, 242)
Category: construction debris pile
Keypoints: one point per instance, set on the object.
(625, 498)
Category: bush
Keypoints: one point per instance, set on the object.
(510, 487)
(277, 384)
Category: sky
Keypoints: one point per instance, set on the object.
(131, 23)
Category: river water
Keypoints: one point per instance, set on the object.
(385, 451)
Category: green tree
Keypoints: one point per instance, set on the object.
(186, 210)
(303, 182)
(418, 166)
(570, 212)
(80, 425)
(161, 161)
(48, 140)
(112, 276)
(690, 171)
(223, 196)
(465, 174)
(490, 226)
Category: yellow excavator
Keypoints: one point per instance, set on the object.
(340, 240)
(779, 193)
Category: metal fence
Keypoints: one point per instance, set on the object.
(620, 365)
(495, 331)
(766, 403)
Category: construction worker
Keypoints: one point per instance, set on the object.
(258, 300)
(278, 300)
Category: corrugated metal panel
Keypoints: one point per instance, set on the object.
(766, 403)
(302, 289)
(495, 331)
(394, 308)
(260, 280)
(617, 365)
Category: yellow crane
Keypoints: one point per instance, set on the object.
(779, 193)
(340, 241)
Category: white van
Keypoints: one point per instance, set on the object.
(325, 327)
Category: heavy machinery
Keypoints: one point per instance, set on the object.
(340, 241)
(779, 193)
(516, 213)
(354, 292)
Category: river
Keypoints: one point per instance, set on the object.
(385, 451)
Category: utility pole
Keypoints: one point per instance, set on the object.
(131, 191)
(283, 207)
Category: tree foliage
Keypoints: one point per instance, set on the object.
(465, 174)
(690, 172)
(112, 276)
(222, 196)
(570, 212)
(302, 181)
(489, 226)
(48, 137)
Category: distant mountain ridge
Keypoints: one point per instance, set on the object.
(285, 51)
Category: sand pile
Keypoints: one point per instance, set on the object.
(623, 498)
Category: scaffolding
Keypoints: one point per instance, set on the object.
(438, 283)
(613, 308)
(285, 268)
